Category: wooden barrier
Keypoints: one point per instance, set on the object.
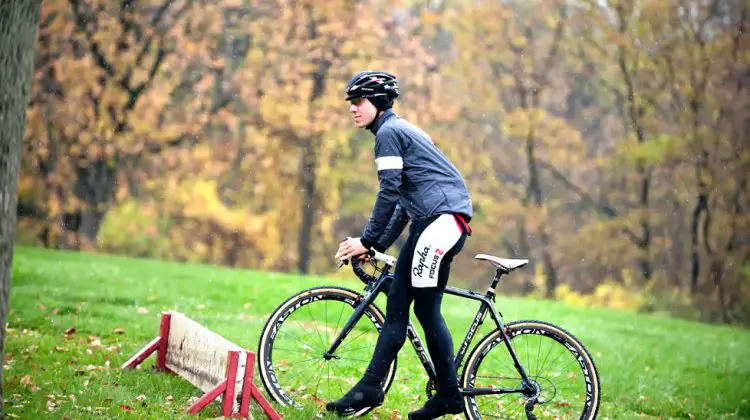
(209, 361)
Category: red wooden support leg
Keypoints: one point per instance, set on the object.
(139, 357)
(232, 363)
(247, 383)
(264, 404)
(161, 358)
(207, 398)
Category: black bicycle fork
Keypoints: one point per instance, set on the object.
(364, 302)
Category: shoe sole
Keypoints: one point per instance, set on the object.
(353, 411)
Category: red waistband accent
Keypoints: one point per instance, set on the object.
(463, 225)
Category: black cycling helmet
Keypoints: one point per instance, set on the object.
(372, 84)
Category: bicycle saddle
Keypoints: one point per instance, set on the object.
(504, 264)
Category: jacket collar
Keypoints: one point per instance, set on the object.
(381, 119)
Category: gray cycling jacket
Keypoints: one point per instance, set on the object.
(416, 181)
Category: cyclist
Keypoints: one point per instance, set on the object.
(418, 183)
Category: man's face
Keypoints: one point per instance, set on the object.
(363, 111)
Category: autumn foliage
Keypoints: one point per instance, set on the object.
(605, 141)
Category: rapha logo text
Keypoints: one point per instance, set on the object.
(422, 263)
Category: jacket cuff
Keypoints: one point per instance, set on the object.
(365, 242)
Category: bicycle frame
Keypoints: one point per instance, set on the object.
(487, 305)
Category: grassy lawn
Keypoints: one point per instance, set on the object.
(76, 318)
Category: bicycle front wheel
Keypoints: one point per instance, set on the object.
(300, 331)
(564, 377)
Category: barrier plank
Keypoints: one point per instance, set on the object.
(207, 360)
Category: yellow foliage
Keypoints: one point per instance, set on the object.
(608, 294)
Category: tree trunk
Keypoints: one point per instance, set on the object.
(309, 158)
(19, 20)
(700, 207)
(308, 165)
(635, 112)
(95, 187)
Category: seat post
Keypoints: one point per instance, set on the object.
(498, 274)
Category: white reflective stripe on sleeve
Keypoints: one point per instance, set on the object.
(389, 162)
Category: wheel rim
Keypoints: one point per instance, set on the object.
(561, 378)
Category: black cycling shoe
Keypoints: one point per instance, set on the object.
(359, 397)
(450, 402)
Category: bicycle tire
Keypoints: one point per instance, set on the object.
(542, 329)
(269, 368)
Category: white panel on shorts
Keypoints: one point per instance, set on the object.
(437, 239)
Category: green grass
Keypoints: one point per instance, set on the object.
(650, 366)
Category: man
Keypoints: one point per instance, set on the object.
(417, 183)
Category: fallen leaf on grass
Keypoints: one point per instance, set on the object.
(318, 401)
(127, 407)
(26, 380)
(70, 330)
(142, 310)
(60, 349)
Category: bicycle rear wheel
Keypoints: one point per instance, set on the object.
(300, 331)
(562, 371)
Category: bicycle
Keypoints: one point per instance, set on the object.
(498, 367)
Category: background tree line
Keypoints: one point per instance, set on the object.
(603, 140)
